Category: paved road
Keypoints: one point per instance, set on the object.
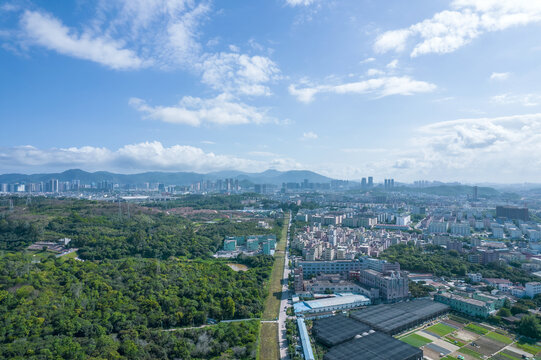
(283, 303)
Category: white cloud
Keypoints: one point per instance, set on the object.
(239, 73)
(145, 156)
(309, 135)
(393, 64)
(521, 99)
(367, 60)
(479, 149)
(123, 34)
(391, 40)
(45, 30)
(381, 87)
(164, 30)
(500, 76)
(299, 2)
(449, 30)
(374, 72)
(194, 111)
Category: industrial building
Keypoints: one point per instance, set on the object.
(329, 267)
(305, 340)
(395, 318)
(348, 339)
(374, 346)
(337, 329)
(338, 302)
(466, 305)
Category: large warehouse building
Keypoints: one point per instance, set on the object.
(395, 318)
(349, 339)
(374, 346)
(337, 303)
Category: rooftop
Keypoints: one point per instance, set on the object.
(332, 301)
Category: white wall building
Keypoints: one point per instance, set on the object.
(533, 288)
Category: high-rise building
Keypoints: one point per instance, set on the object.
(370, 181)
(52, 186)
(513, 212)
(363, 182)
(475, 190)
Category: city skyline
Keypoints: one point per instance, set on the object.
(436, 90)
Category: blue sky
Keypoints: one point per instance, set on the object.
(420, 89)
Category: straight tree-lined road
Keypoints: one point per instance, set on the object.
(271, 337)
(282, 340)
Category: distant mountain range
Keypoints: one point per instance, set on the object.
(169, 178)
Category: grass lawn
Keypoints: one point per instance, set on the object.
(454, 341)
(272, 303)
(531, 348)
(441, 329)
(71, 255)
(268, 342)
(415, 340)
(498, 337)
(476, 329)
(470, 352)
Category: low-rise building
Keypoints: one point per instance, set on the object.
(532, 289)
(465, 305)
(336, 303)
(475, 277)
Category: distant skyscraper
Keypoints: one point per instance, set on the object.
(370, 181)
(53, 186)
(363, 182)
(475, 189)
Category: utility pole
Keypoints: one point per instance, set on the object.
(119, 209)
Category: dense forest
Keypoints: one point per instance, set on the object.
(99, 232)
(84, 301)
(211, 202)
(141, 276)
(440, 262)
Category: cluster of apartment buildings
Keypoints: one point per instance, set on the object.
(344, 243)
(249, 245)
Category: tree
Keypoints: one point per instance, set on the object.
(228, 306)
(529, 326)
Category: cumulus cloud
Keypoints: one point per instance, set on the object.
(299, 2)
(449, 30)
(123, 34)
(143, 156)
(381, 87)
(476, 149)
(367, 60)
(45, 30)
(310, 135)
(520, 99)
(129, 34)
(194, 111)
(500, 76)
(393, 64)
(239, 73)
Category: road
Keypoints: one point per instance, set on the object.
(282, 340)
